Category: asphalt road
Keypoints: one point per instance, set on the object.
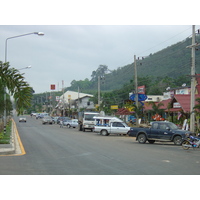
(51, 150)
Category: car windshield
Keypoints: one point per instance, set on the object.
(47, 117)
(125, 124)
(172, 126)
(89, 117)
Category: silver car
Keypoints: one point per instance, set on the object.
(72, 123)
(47, 120)
(22, 119)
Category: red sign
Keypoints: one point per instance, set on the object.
(53, 87)
(141, 89)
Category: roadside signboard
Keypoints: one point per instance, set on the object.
(114, 107)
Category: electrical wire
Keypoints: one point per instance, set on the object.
(142, 53)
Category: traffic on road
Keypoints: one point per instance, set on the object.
(54, 150)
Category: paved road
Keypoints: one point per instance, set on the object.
(51, 150)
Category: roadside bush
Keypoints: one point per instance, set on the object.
(1, 131)
(5, 139)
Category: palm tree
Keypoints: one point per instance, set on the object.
(138, 111)
(17, 87)
(156, 108)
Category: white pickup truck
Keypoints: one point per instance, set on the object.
(110, 125)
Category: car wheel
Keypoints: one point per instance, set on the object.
(68, 125)
(104, 132)
(177, 140)
(142, 138)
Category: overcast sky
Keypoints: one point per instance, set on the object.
(72, 52)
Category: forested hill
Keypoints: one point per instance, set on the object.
(173, 61)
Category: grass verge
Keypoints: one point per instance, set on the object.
(5, 139)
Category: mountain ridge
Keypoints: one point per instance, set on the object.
(173, 61)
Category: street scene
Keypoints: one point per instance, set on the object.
(51, 150)
(114, 105)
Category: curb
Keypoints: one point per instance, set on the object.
(9, 148)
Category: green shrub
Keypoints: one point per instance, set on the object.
(5, 139)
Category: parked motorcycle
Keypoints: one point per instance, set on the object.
(190, 142)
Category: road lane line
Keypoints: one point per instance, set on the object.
(23, 152)
(19, 140)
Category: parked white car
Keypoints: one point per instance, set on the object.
(110, 125)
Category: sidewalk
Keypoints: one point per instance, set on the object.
(13, 147)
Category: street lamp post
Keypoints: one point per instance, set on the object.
(37, 33)
(25, 67)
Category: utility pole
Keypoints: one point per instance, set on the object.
(63, 100)
(193, 80)
(78, 99)
(99, 98)
(192, 98)
(136, 89)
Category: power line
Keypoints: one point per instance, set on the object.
(131, 53)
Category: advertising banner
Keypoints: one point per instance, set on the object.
(141, 89)
(53, 87)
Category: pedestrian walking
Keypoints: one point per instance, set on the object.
(61, 123)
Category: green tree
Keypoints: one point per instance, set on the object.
(156, 108)
(16, 86)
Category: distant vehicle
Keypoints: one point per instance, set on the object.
(33, 114)
(22, 119)
(47, 120)
(62, 118)
(72, 123)
(41, 115)
(55, 120)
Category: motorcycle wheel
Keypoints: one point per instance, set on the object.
(185, 143)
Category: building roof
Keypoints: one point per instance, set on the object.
(86, 96)
(184, 101)
(123, 111)
(165, 103)
(198, 83)
(73, 95)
